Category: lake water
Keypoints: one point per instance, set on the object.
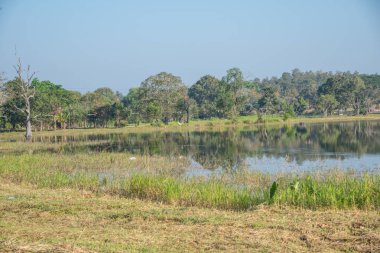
(345, 145)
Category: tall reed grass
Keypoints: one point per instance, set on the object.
(332, 189)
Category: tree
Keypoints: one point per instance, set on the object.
(225, 103)
(164, 90)
(348, 90)
(12, 115)
(233, 83)
(205, 93)
(134, 104)
(300, 105)
(21, 91)
(288, 111)
(269, 102)
(327, 103)
(103, 115)
(97, 103)
(356, 95)
(371, 92)
(153, 111)
(185, 107)
(54, 104)
(118, 112)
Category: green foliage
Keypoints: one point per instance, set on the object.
(269, 102)
(273, 190)
(336, 190)
(300, 105)
(11, 115)
(205, 92)
(232, 89)
(347, 89)
(163, 97)
(163, 90)
(134, 102)
(156, 123)
(327, 103)
(288, 112)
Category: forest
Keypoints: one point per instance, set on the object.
(163, 98)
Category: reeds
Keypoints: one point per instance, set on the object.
(335, 190)
(329, 189)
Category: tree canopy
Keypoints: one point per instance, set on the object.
(163, 97)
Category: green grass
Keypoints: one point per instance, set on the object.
(240, 191)
(335, 189)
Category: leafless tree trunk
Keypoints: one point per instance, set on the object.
(28, 124)
(25, 90)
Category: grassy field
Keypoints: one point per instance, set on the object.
(65, 220)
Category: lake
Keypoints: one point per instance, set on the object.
(354, 145)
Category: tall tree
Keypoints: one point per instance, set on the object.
(164, 90)
(205, 93)
(20, 89)
(134, 104)
(233, 83)
(347, 89)
(327, 103)
(269, 102)
(54, 104)
(97, 104)
(371, 92)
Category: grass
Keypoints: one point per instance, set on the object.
(335, 189)
(67, 220)
(239, 191)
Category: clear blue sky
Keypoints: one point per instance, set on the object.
(84, 45)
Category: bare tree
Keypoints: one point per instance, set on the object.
(21, 88)
(2, 96)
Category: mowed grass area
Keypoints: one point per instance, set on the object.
(211, 124)
(69, 220)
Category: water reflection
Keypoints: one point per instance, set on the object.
(309, 146)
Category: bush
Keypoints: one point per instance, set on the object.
(156, 123)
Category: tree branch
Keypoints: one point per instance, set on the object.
(18, 108)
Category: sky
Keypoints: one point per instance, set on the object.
(84, 45)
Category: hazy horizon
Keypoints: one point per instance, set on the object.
(84, 45)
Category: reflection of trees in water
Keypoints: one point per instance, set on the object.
(217, 149)
(357, 137)
(229, 149)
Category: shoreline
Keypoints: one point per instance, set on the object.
(245, 122)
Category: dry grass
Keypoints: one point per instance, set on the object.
(65, 220)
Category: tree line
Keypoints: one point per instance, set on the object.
(162, 98)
